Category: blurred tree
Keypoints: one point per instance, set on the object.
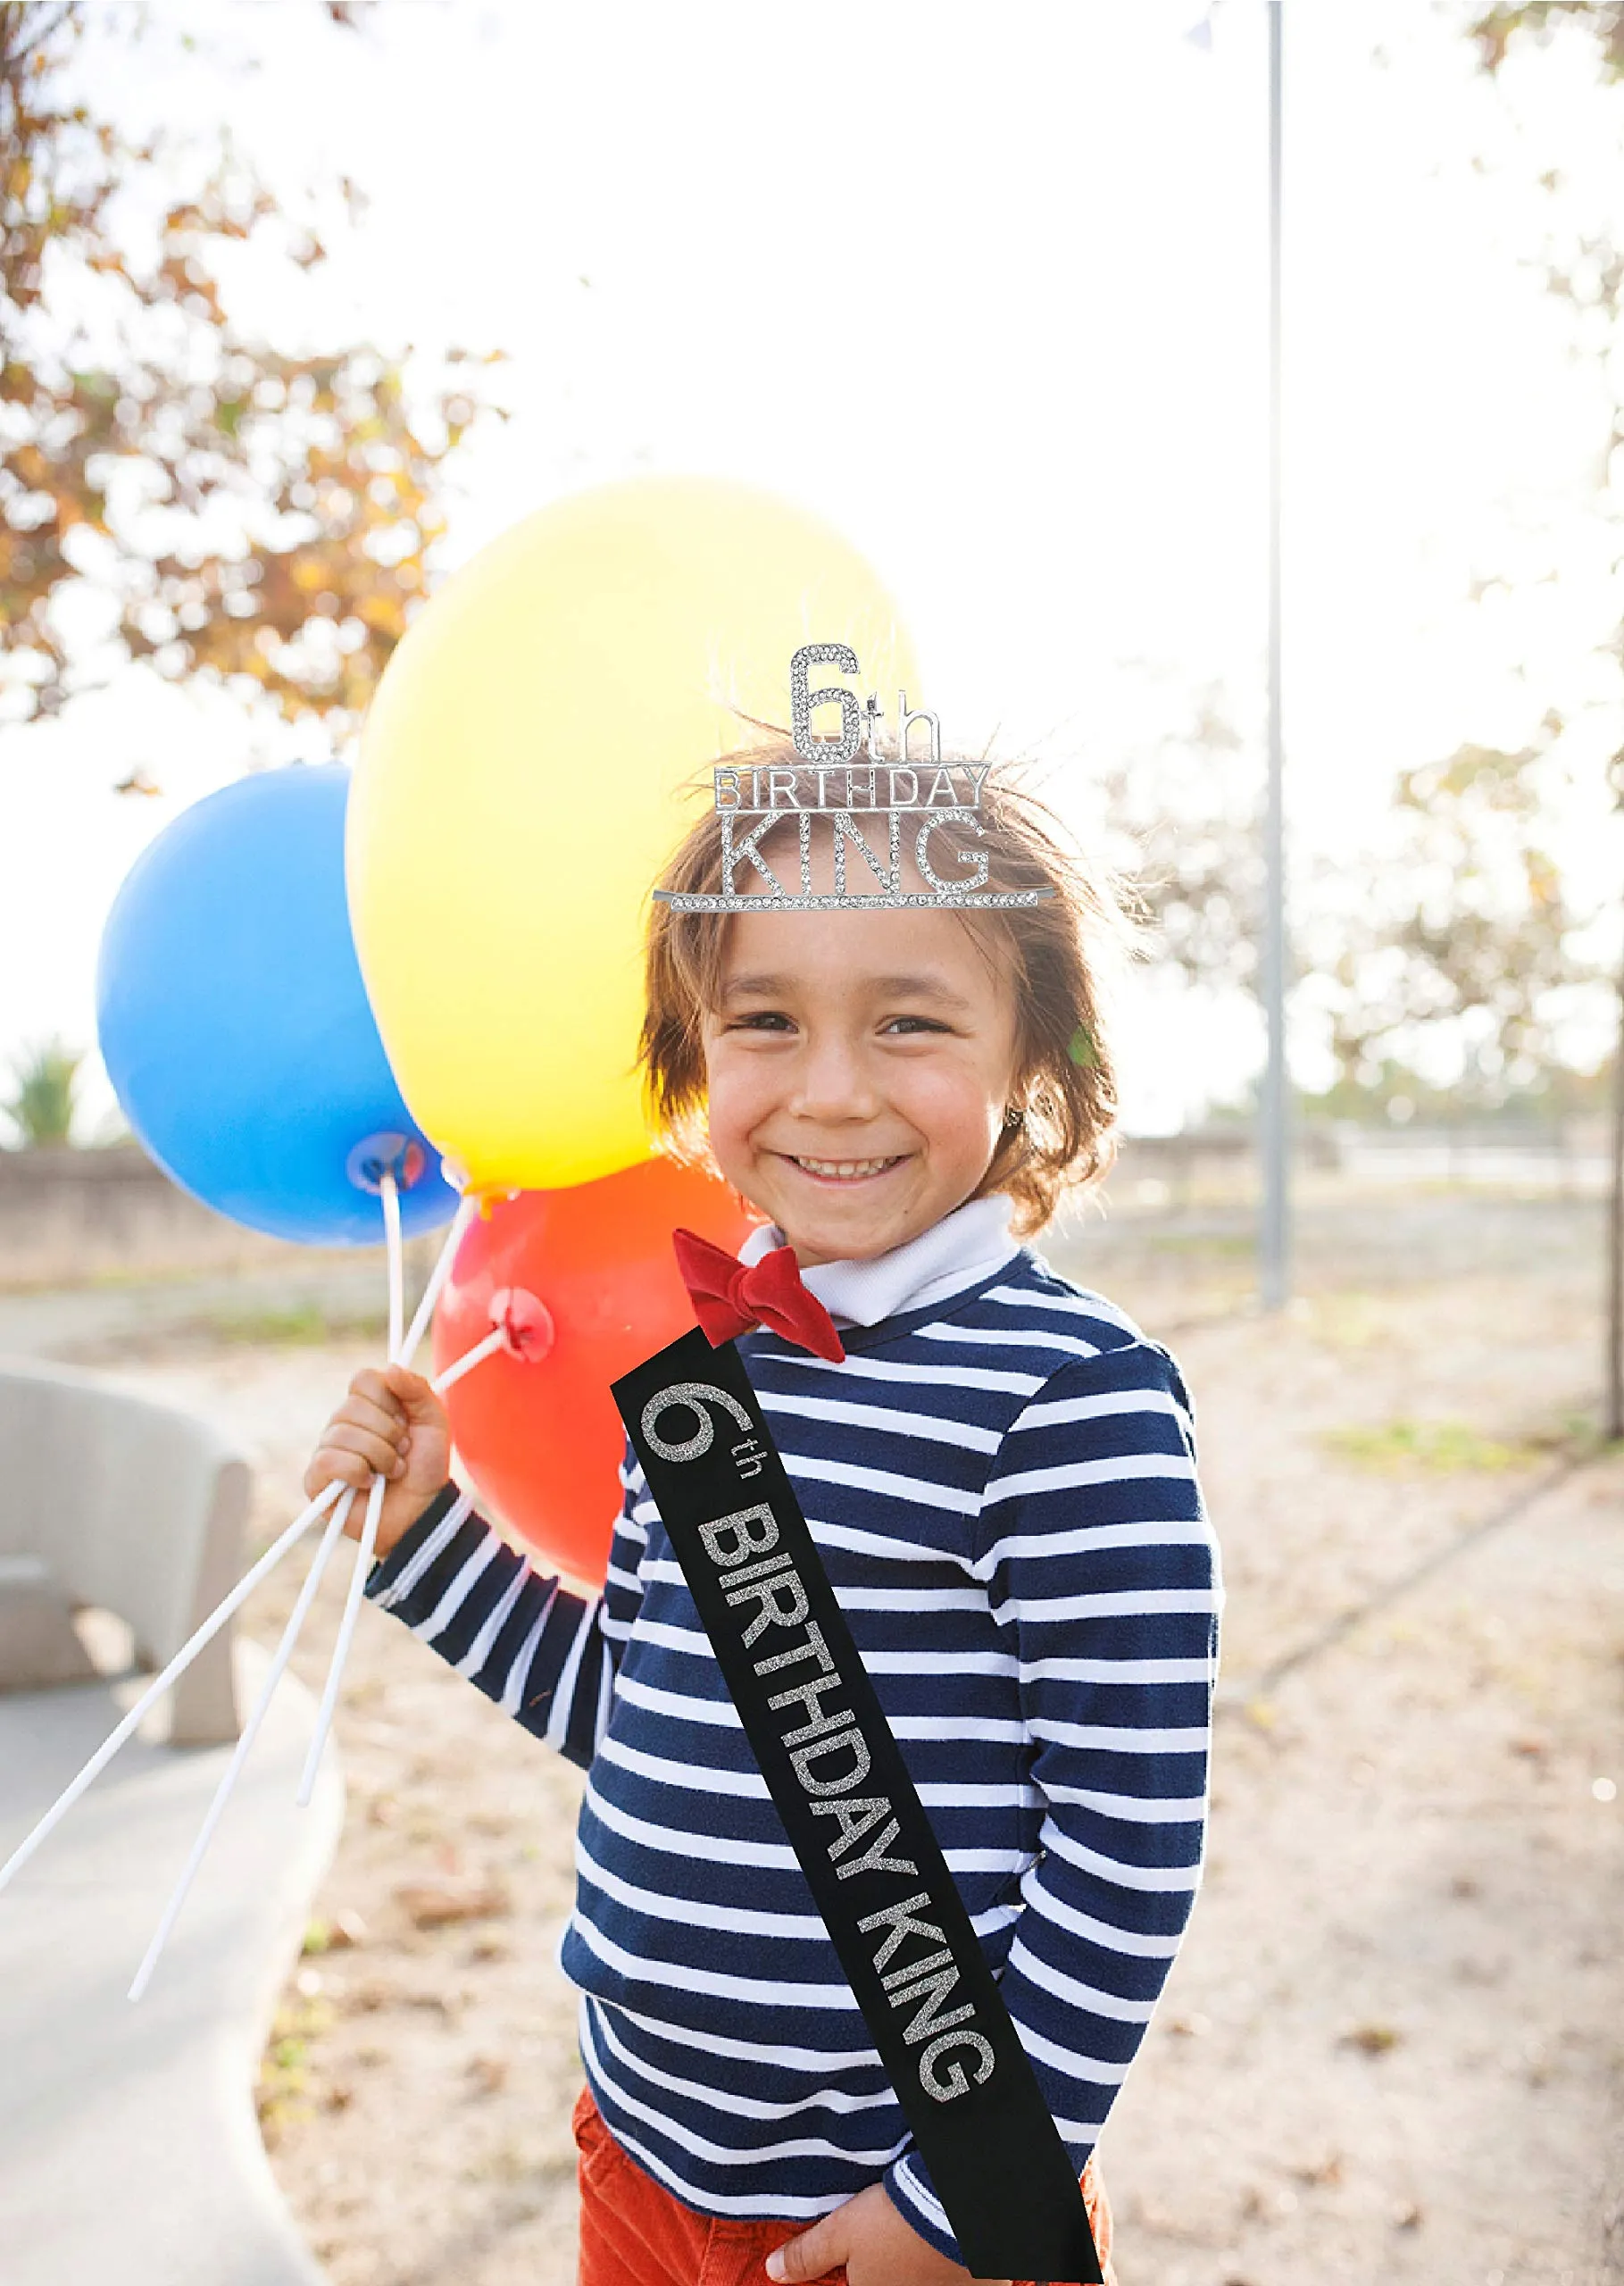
(46, 1078)
(1601, 20)
(1187, 804)
(1587, 270)
(1461, 917)
(1452, 930)
(244, 515)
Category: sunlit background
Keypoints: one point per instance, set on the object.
(995, 307)
(302, 301)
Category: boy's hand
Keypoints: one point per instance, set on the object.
(391, 1421)
(869, 2235)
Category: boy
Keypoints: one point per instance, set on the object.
(998, 1470)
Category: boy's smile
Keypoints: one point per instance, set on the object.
(859, 1066)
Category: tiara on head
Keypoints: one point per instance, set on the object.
(825, 784)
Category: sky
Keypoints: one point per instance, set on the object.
(988, 291)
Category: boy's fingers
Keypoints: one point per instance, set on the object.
(372, 1382)
(348, 1468)
(361, 1413)
(814, 2253)
(378, 1454)
(410, 1389)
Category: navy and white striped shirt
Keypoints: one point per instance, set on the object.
(1001, 1483)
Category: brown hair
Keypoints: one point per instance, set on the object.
(1064, 1103)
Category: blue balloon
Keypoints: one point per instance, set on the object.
(235, 1028)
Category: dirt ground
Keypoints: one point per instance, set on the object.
(1393, 2047)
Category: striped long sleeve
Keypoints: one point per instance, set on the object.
(546, 1656)
(1102, 1578)
(1001, 1484)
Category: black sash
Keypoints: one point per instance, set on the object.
(816, 1729)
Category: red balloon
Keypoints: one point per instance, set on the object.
(586, 1286)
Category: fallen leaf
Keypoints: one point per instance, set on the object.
(366, 1999)
(440, 2003)
(1268, 2205)
(1372, 2039)
(438, 1905)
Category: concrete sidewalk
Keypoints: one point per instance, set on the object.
(128, 2144)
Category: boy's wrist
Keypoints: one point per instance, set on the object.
(909, 2188)
(875, 2243)
(386, 1578)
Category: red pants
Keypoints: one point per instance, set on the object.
(634, 2233)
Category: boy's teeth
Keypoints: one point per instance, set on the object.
(849, 1167)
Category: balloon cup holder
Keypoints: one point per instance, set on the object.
(378, 1155)
(526, 1324)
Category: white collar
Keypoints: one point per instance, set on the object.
(961, 1249)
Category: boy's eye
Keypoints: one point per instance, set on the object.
(761, 1020)
(913, 1024)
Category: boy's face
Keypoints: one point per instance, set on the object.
(859, 1067)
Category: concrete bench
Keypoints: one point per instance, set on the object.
(129, 2146)
(126, 1506)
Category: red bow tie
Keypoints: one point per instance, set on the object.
(729, 1298)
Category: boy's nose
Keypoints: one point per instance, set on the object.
(833, 1082)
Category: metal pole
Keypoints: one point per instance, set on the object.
(1274, 1233)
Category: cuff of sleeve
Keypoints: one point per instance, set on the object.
(912, 2192)
(409, 1580)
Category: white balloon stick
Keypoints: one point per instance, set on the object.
(494, 1340)
(244, 1744)
(468, 1207)
(397, 1261)
(341, 1648)
(176, 1668)
(403, 1348)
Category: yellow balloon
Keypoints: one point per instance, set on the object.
(527, 767)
